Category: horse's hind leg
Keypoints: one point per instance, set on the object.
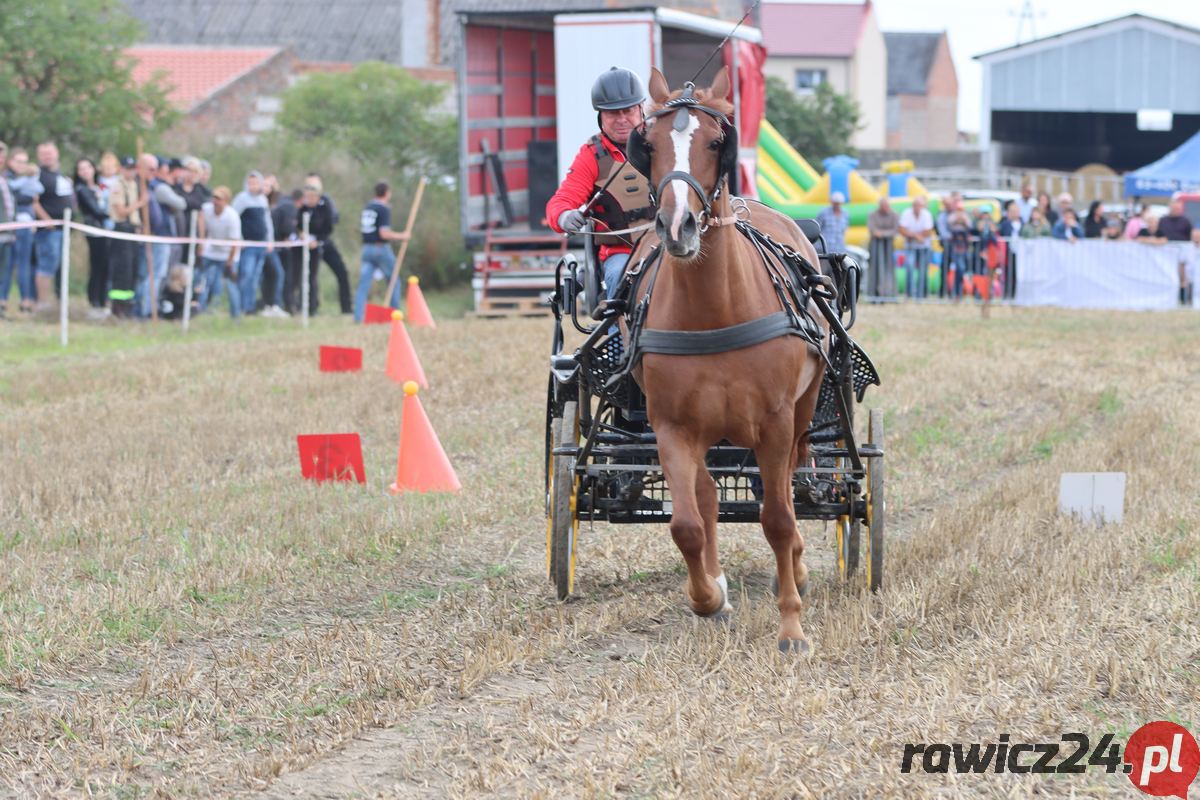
(779, 525)
(682, 462)
(805, 408)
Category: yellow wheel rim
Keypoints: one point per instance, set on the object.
(574, 537)
(870, 519)
(574, 521)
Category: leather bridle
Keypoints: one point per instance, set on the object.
(638, 153)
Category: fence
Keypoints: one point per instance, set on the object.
(190, 242)
(1084, 188)
(1085, 273)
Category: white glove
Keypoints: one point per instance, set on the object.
(571, 221)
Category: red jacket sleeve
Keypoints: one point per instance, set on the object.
(576, 188)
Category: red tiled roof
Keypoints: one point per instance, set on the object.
(813, 29)
(196, 73)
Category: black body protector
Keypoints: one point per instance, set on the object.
(624, 202)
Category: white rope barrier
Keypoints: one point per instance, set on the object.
(90, 230)
(191, 241)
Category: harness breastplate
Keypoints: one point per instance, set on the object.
(626, 200)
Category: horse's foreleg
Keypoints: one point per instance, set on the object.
(682, 461)
(779, 525)
(706, 501)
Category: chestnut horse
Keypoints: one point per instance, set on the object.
(761, 396)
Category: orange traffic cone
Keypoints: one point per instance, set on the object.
(402, 362)
(421, 464)
(418, 311)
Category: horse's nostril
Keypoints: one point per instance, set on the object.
(689, 224)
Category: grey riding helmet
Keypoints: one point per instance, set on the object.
(615, 89)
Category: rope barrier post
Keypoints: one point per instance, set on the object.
(191, 272)
(305, 257)
(65, 273)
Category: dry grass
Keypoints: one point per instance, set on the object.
(181, 615)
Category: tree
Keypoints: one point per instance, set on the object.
(377, 113)
(819, 125)
(64, 77)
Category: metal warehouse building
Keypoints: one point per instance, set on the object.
(1072, 99)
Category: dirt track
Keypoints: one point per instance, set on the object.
(194, 620)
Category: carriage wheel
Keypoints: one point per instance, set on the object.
(553, 423)
(875, 503)
(564, 524)
(848, 535)
(848, 527)
(847, 532)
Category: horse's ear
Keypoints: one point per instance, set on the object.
(720, 85)
(659, 91)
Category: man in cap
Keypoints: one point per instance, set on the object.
(125, 209)
(600, 167)
(220, 224)
(834, 221)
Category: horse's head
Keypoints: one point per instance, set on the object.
(685, 149)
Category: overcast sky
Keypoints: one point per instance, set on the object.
(978, 27)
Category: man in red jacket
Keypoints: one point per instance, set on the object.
(617, 96)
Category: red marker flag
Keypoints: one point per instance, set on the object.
(331, 457)
(341, 359)
(376, 315)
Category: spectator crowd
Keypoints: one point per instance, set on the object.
(975, 256)
(251, 248)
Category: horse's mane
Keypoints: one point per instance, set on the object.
(704, 97)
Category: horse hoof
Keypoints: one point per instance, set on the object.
(724, 609)
(794, 647)
(721, 619)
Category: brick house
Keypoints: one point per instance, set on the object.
(922, 92)
(226, 94)
(835, 43)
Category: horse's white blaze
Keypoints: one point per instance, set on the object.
(683, 163)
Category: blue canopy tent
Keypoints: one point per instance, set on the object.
(1177, 171)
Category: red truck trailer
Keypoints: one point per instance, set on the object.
(524, 82)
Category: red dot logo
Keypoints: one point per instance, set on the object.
(1163, 759)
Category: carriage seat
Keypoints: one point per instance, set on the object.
(811, 229)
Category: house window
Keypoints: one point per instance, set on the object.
(807, 80)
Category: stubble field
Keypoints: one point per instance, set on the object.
(181, 615)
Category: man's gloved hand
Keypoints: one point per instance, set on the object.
(572, 221)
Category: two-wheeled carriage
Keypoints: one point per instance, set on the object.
(601, 456)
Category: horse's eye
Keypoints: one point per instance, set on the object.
(715, 144)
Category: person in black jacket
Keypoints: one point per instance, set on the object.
(93, 203)
(1093, 226)
(322, 217)
(283, 216)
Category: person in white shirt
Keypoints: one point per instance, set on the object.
(916, 226)
(219, 221)
(1026, 202)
